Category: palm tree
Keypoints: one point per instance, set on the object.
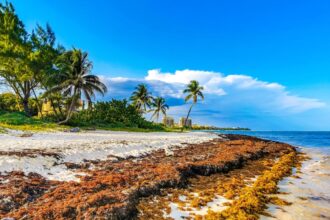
(75, 79)
(141, 98)
(159, 107)
(194, 91)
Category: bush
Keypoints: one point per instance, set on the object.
(10, 103)
(115, 113)
(17, 118)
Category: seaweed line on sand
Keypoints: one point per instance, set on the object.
(253, 200)
(113, 189)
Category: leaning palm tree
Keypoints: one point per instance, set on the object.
(75, 79)
(159, 107)
(141, 98)
(194, 91)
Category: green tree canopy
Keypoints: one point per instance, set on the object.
(75, 79)
(159, 107)
(15, 50)
(141, 98)
(26, 60)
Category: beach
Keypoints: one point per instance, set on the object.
(90, 174)
(309, 194)
(150, 110)
(46, 153)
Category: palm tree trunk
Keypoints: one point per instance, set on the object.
(59, 107)
(53, 106)
(185, 121)
(68, 116)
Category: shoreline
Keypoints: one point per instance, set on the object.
(112, 187)
(308, 194)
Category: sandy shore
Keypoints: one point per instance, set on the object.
(104, 174)
(309, 193)
(110, 186)
(46, 153)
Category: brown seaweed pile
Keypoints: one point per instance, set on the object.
(201, 191)
(253, 199)
(112, 189)
(245, 192)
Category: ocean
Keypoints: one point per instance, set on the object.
(310, 139)
(310, 193)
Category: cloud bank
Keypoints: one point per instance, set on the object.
(230, 100)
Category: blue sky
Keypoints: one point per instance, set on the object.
(282, 49)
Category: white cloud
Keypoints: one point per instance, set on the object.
(205, 78)
(230, 100)
(242, 87)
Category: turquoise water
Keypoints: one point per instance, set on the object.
(310, 139)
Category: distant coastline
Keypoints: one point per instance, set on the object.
(202, 127)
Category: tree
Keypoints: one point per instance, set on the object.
(141, 98)
(194, 91)
(25, 59)
(9, 102)
(15, 49)
(44, 54)
(75, 79)
(160, 106)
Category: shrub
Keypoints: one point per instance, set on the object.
(114, 113)
(10, 103)
(17, 118)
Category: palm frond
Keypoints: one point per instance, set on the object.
(188, 97)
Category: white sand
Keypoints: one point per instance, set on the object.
(77, 147)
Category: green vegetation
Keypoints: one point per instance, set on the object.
(113, 115)
(141, 98)
(26, 59)
(19, 121)
(32, 63)
(76, 79)
(9, 102)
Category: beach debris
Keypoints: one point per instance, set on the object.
(26, 134)
(76, 129)
(112, 189)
